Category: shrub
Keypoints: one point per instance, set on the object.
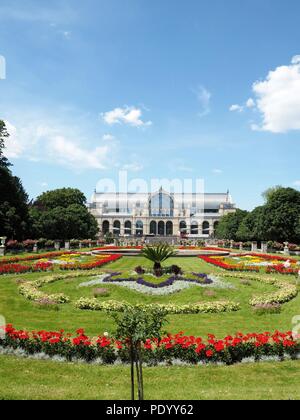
(175, 269)
(139, 270)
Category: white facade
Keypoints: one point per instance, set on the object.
(160, 214)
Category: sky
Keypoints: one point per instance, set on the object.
(162, 89)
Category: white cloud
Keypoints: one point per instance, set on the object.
(217, 171)
(297, 183)
(278, 98)
(108, 137)
(57, 13)
(66, 152)
(236, 108)
(128, 115)
(250, 103)
(133, 167)
(66, 34)
(179, 165)
(204, 98)
(49, 142)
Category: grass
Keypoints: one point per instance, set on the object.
(36, 380)
(24, 314)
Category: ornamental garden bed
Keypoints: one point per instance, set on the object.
(255, 263)
(171, 349)
(55, 261)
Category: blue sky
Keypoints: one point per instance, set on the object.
(164, 89)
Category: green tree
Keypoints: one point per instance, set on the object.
(158, 254)
(229, 225)
(62, 214)
(13, 198)
(251, 227)
(63, 197)
(280, 219)
(4, 163)
(134, 327)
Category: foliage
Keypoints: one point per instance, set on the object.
(229, 225)
(13, 198)
(62, 214)
(135, 327)
(170, 308)
(156, 348)
(158, 254)
(277, 220)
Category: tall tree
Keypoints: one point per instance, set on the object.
(281, 216)
(62, 214)
(4, 163)
(229, 225)
(13, 198)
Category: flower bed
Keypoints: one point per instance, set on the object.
(254, 263)
(171, 285)
(20, 269)
(93, 304)
(102, 260)
(48, 264)
(29, 258)
(170, 349)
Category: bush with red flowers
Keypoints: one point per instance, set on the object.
(188, 349)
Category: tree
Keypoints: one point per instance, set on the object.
(229, 225)
(4, 163)
(158, 254)
(281, 216)
(267, 195)
(13, 198)
(62, 214)
(134, 327)
(251, 227)
(63, 197)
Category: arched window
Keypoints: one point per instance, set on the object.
(153, 228)
(117, 228)
(161, 228)
(128, 228)
(139, 228)
(161, 205)
(194, 228)
(105, 227)
(183, 227)
(169, 229)
(205, 228)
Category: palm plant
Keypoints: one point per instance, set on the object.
(158, 254)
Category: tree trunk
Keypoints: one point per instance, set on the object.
(132, 357)
(157, 266)
(141, 374)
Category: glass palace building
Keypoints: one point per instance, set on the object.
(160, 214)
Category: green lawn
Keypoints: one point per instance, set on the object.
(24, 314)
(28, 379)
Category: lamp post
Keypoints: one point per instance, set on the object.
(2, 246)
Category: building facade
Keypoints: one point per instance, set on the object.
(160, 214)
